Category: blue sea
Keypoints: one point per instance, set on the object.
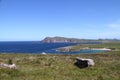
(36, 47)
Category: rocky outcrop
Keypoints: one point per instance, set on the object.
(65, 49)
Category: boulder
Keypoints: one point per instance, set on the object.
(83, 63)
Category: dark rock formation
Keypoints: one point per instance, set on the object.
(83, 63)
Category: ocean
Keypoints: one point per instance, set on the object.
(36, 47)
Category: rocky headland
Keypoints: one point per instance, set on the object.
(68, 40)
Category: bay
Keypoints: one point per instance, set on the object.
(36, 47)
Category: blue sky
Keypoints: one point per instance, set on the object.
(29, 20)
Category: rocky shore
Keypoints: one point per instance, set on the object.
(71, 49)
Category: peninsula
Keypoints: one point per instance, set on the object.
(76, 40)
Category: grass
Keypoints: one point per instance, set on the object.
(114, 45)
(61, 67)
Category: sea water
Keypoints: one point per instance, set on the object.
(36, 47)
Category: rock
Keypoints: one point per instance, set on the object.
(11, 66)
(83, 63)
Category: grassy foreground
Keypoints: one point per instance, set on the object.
(61, 67)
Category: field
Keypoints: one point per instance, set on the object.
(61, 67)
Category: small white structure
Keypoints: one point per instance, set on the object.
(43, 53)
(82, 62)
(11, 66)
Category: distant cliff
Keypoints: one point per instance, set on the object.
(59, 39)
(66, 40)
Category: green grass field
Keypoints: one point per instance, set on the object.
(105, 45)
(61, 67)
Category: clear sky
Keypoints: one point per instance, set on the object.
(29, 20)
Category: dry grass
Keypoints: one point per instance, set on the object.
(61, 67)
